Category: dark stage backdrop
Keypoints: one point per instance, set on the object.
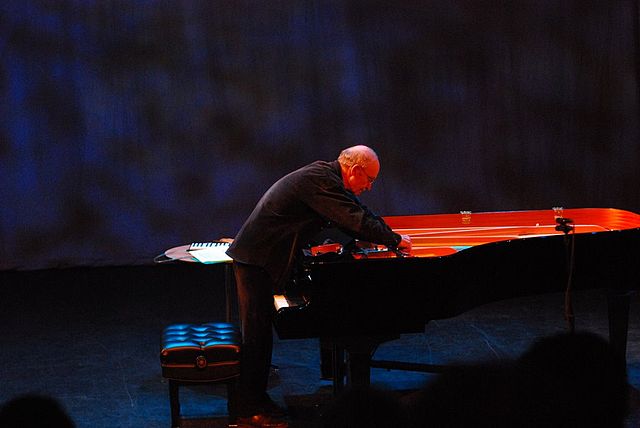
(128, 127)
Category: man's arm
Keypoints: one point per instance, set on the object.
(405, 244)
(334, 203)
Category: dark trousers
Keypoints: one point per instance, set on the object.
(255, 300)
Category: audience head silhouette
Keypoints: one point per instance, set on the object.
(567, 380)
(573, 380)
(34, 411)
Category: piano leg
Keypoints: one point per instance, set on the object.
(337, 368)
(326, 359)
(618, 307)
(358, 352)
(358, 364)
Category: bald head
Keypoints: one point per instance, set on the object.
(360, 167)
(357, 155)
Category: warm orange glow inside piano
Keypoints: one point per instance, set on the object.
(444, 234)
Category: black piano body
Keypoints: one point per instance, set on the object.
(459, 263)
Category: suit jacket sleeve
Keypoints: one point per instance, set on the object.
(329, 198)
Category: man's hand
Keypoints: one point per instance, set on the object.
(405, 244)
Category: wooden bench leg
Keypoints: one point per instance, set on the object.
(174, 400)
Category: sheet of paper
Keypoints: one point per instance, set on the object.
(210, 252)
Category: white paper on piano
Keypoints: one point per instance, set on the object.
(210, 252)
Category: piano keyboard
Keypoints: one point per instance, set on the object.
(204, 245)
(280, 301)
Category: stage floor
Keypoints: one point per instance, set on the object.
(90, 337)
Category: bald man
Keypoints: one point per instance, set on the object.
(286, 218)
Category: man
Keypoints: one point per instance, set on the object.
(287, 217)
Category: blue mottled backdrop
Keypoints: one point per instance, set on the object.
(128, 127)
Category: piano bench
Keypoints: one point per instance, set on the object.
(200, 354)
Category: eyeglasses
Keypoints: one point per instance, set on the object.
(371, 179)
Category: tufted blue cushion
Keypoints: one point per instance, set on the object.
(200, 352)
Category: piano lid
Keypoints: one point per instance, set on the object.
(444, 234)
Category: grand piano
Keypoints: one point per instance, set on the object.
(358, 299)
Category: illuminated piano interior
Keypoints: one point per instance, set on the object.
(445, 234)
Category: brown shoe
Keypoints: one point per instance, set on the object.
(260, 421)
